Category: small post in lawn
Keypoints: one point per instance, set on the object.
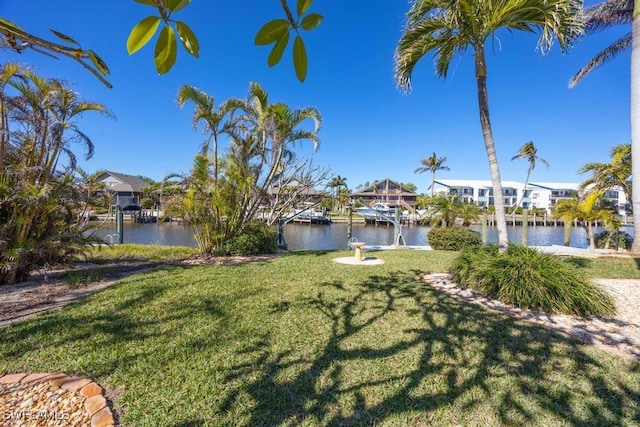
(349, 224)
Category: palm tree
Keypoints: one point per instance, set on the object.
(337, 183)
(205, 111)
(469, 212)
(585, 208)
(8, 73)
(39, 198)
(607, 175)
(443, 210)
(276, 128)
(529, 152)
(599, 17)
(432, 164)
(606, 15)
(451, 27)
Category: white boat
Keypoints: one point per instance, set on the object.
(380, 211)
(310, 216)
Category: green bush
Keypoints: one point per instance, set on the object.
(453, 238)
(147, 203)
(625, 240)
(256, 239)
(528, 278)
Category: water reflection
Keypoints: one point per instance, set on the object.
(334, 236)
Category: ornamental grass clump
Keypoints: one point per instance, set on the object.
(528, 278)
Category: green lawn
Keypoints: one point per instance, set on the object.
(301, 340)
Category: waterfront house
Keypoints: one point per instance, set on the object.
(386, 191)
(301, 192)
(126, 189)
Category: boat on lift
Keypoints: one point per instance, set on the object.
(380, 211)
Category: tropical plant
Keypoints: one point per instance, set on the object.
(337, 184)
(528, 278)
(259, 175)
(443, 210)
(587, 209)
(213, 118)
(609, 238)
(605, 176)
(42, 193)
(601, 16)
(529, 152)
(432, 164)
(256, 238)
(453, 238)
(276, 31)
(409, 186)
(469, 213)
(448, 28)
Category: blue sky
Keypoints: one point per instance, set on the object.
(371, 130)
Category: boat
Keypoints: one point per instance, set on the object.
(380, 212)
(310, 216)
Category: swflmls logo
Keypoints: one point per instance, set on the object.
(36, 415)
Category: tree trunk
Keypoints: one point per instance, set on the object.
(635, 126)
(524, 190)
(485, 122)
(433, 183)
(592, 242)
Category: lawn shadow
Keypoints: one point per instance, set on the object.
(462, 349)
(310, 252)
(579, 262)
(120, 323)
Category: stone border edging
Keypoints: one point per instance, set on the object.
(95, 404)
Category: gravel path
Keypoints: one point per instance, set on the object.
(620, 335)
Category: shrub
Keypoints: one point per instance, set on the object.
(147, 203)
(256, 239)
(453, 238)
(625, 240)
(528, 278)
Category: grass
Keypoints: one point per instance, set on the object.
(150, 253)
(301, 340)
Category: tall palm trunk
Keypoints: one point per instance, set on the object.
(433, 182)
(635, 125)
(485, 122)
(524, 190)
(592, 240)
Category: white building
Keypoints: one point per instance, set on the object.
(543, 195)
(481, 191)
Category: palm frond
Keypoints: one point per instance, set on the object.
(607, 14)
(601, 58)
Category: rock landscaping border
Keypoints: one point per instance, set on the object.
(52, 399)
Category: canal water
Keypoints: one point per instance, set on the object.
(334, 236)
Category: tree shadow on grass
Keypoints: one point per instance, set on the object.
(447, 360)
(128, 320)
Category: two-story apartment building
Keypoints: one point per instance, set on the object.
(544, 195)
(480, 192)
